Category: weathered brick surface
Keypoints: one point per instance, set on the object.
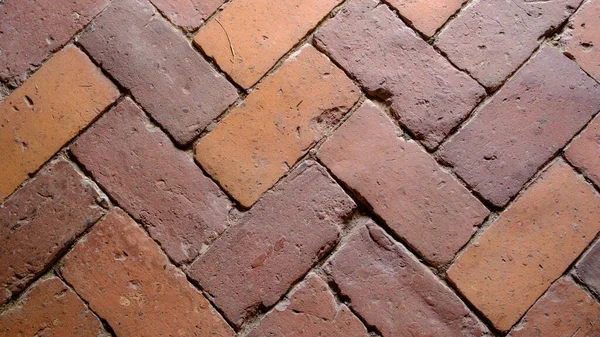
(565, 310)
(129, 282)
(532, 243)
(249, 37)
(491, 39)
(188, 14)
(159, 185)
(582, 39)
(274, 244)
(257, 143)
(40, 117)
(403, 184)
(30, 30)
(588, 269)
(427, 15)
(584, 151)
(311, 311)
(392, 291)
(427, 94)
(531, 118)
(40, 220)
(171, 81)
(50, 308)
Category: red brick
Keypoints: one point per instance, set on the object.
(249, 37)
(52, 107)
(532, 244)
(491, 39)
(259, 140)
(565, 310)
(310, 311)
(274, 244)
(584, 151)
(147, 55)
(581, 40)
(587, 270)
(529, 120)
(30, 30)
(188, 14)
(426, 93)
(49, 308)
(427, 15)
(396, 294)
(38, 223)
(129, 282)
(403, 185)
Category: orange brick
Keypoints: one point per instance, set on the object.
(532, 243)
(290, 111)
(40, 117)
(258, 34)
(427, 15)
(582, 39)
(584, 152)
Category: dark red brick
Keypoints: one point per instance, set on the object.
(274, 244)
(147, 55)
(426, 93)
(160, 186)
(529, 120)
(40, 220)
(188, 14)
(588, 269)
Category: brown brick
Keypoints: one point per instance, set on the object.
(587, 270)
(38, 223)
(147, 55)
(274, 244)
(188, 14)
(30, 30)
(310, 311)
(491, 39)
(565, 310)
(50, 308)
(249, 37)
(129, 282)
(257, 143)
(426, 93)
(529, 120)
(581, 40)
(160, 186)
(427, 15)
(532, 243)
(584, 151)
(52, 107)
(403, 185)
(396, 294)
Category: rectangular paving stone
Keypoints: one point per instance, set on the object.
(159, 185)
(248, 37)
(427, 15)
(259, 140)
(38, 223)
(529, 120)
(44, 114)
(584, 151)
(532, 244)
(581, 39)
(403, 185)
(395, 293)
(188, 14)
(426, 93)
(148, 56)
(587, 270)
(491, 38)
(274, 244)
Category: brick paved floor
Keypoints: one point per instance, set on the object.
(304, 168)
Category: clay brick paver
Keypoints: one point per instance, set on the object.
(250, 36)
(433, 212)
(52, 107)
(129, 282)
(532, 243)
(274, 244)
(565, 310)
(257, 143)
(588, 269)
(396, 294)
(188, 14)
(531, 118)
(584, 152)
(148, 56)
(311, 311)
(159, 185)
(582, 39)
(491, 39)
(426, 93)
(50, 308)
(427, 15)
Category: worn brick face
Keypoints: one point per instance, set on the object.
(581, 39)
(427, 15)
(588, 269)
(274, 244)
(530, 119)
(188, 14)
(52, 107)
(171, 81)
(532, 243)
(259, 140)
(584, 151)
(129, 282)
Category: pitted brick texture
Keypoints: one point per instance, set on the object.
(581, 39)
